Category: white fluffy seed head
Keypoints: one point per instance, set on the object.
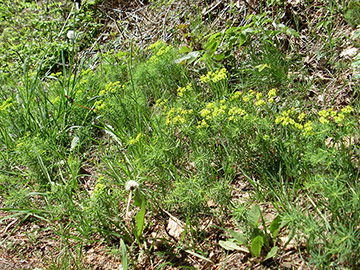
(71, 34)
(131, 185)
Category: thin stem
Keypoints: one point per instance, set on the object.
(127, 216)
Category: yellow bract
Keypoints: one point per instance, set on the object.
(216, 76)
(133, 141)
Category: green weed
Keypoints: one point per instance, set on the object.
(184, 128)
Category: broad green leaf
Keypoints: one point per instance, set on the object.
(124, 260)
(138, 198)
(292, 32)
(187, 224)
(256, 245)
(214, 37)
(275, 226)
(232, 31)
(255, 233)
(271, 253)
(262, 67)
(184, 49)
(228, 245)
(190, 57)
(232, 41)
(254, 215)
(198, 255)
(356, 35)
(140, 217)
(249, 30)
(323, 23)
(239, 237)
(121, 54)
(219, 57)
(242, 39)
(212, 44)
(74, 143)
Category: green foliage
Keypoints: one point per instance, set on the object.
(140, 216)
(103, 217)
(255, 240)
(29, 36)
(124, 260)
(159, 75)
(190, 125)
(256, 45)
(352, 13)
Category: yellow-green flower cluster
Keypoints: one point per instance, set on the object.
(57, 75)
(6, 104)
(259, 98)
(236, 95)
(99, 188)
(86, 72)
(161, 103)
(219, 111)
(307, 128)
(271, 95)
(111, 87)
(99, 105)
(206, 113)
(286, 119)
(202, 124)
(213, 112)
(325, 114)
(249, 96)
(156, 44)
(259, 101)
(216, 76)
(135, 140)
(338, 117)
(162, 49)
(84, 75)
(182, 90)
(347, 109)
(235, 113)
(177, 116)
(301, 116)
(220, 75)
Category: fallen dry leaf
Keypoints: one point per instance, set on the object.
(175, 228)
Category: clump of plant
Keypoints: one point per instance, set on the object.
(352, 13)
(159, 75)
(257, 241)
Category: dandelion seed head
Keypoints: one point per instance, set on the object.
(71, 34)
(131, 185)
